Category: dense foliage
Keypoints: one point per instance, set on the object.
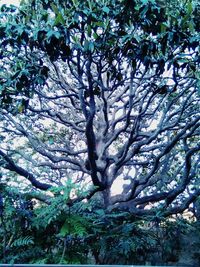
(86, 233)
(96, 95)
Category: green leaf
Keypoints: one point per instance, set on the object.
(65, 229)
(144, 11)
(95, 35)
(21, 108)
(189, 8)
(51, 140)
(59, 20)
(75, 3)
(163, 28)
(40, 80)
(106, 9)
(137, 7)
(100, 24)
(89, 30)
(52, 33)
(144, 2)
(23, 241)
(74, 225)
(86, 45)
(55, 9)
(91, 46)
(191, 26)
(100, 212)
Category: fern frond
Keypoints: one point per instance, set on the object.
(23, 241)
(75, 225)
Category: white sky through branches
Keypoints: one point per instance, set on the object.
(118, 185)
(13, 2)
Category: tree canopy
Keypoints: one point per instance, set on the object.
(99, 93)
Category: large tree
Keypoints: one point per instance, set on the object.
(103, 93)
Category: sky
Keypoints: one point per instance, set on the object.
(13, 2)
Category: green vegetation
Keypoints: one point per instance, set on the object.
(86, 233)
(97, 95)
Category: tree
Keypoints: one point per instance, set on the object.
(95, 92)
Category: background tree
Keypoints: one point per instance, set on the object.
(98, 92)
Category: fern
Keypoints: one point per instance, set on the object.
(49, 213)
(40, 261)
(23, 241)
(75, 225)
